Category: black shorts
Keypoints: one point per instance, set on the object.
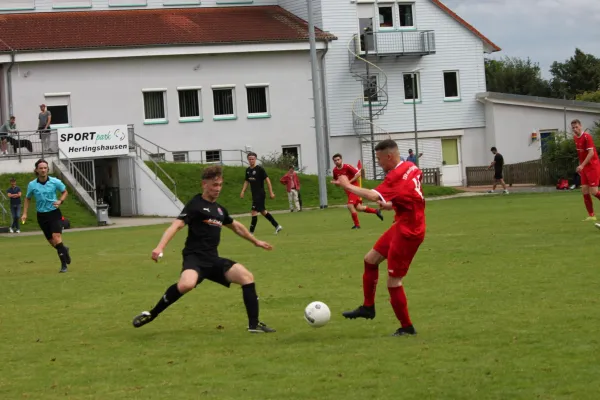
(258, 203)
(50, 222)
(208, 267)
(498, 175)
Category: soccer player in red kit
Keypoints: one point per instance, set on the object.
(589, 167)
(400, 191)
(354, 201)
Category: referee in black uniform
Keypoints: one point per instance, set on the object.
(201, 260)
(257, 176)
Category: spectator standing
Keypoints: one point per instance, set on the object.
(293, 187)
(14, 194)
(44, 120)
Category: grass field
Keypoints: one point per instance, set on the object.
(504, 294)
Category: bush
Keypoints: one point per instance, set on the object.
(279, 161)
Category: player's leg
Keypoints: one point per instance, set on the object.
(503, 185)
(236, 273)
(353, 213)
(370, 277)
(368, 210)
(400, 256)
(587, 198)
(254, 220)
(56, 227)
(270, 218)
(188, 280)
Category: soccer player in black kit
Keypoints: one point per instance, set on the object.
(257, 176)
(205, 218)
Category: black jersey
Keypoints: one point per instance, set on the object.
(257, 176)
(498, 162)
(204, 220)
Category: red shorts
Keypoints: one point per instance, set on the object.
(398, 250)
(354, 199)
(590, 176)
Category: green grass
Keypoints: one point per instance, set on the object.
(73, 208)
(503, 292)
(188, 181)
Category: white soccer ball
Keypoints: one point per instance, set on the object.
(317, 314)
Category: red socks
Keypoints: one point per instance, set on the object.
(355, 219)
(400, 305)
(587, 199)
(370, 278)
(597, 195)
(370, 210)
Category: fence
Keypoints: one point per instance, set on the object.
(534, 172)
(30, 143)
(431, 176)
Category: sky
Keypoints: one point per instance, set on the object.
(543, 30)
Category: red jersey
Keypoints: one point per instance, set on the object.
(583, 144)
(347, 170)
(402, 187)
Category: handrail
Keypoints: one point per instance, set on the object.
(156, 166)
(72, 167)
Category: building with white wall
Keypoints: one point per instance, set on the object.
(205, 81)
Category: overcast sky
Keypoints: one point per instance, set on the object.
(544, 30)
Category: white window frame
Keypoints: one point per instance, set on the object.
(419, 97)
(198, 90)
(152, 121)
(50, 102)
(452, 98)
(414, 20)
(224, 117)
(267, 100)
(379, 5)
(181, 2)
(127, 3)
(214, 162)
(186, 156)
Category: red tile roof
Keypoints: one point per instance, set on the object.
(133, 28)
(466, 24)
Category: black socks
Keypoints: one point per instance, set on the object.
(253, 223)
(251, 303)
(271, 220)
(171, 296)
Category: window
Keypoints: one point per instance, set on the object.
(59, 105)
(370, 89)
(258, 100)
(180, 156)
(71, 3)
(224, 103)
(451, 85)
(213, 156)
(180, 2)
(189, 104)
(17, 5)
(405, 15)
(154, 106)
(386, 17)
(411, 92)
(158, 157)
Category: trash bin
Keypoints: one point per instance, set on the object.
(102, 214)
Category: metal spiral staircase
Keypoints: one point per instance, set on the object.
(368, 107)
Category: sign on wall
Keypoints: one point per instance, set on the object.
(96, 141)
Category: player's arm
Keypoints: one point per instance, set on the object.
(242, 232)
(344, 183)
(270, 187)
(169, 234)
(244, 189)
(356, 176)
(63, 193)
(27, 201)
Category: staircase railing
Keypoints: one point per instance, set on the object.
(79, 176)
(372, 104)
(139, 150)
(4, 208)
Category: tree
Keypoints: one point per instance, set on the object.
(575, 76)
(516, 76)
(593, 97)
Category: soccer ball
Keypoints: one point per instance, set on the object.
(317, 314)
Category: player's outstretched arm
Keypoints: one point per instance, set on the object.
(242, 232)
(356, 176)
(169, 234)
(344, 183)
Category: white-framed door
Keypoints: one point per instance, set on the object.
(452, 174)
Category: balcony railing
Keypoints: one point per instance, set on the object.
(396, 43)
